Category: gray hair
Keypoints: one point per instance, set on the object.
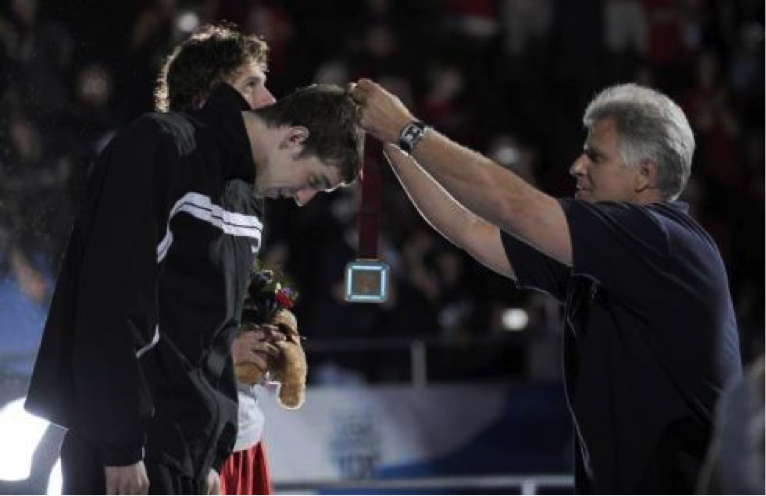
(650, 126)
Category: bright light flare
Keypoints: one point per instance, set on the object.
(187, 22)
(20, 432)
(515, 319)
(55, 480)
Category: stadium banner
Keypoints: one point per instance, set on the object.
(394, 431)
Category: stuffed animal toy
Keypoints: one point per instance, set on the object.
(269, 303)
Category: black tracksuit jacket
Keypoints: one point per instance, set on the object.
(135, 355)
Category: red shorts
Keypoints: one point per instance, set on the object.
(246, 472)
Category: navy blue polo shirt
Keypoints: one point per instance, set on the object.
(650, 341)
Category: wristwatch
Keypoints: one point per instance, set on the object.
(411, 135)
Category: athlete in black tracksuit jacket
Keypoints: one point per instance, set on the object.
(135, 357)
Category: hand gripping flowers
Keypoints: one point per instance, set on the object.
(268, 302)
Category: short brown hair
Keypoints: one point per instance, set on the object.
(208, 57)
(333, 120)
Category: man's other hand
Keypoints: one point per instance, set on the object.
(383, 114)
(127, 480)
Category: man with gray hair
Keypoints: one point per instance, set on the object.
(650, 336)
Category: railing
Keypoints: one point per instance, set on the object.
(524, 484)
(417, 348)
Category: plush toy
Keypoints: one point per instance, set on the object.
(269, 303)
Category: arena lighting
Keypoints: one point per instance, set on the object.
(515, 319)
(54, 481)
(187, 22)
(20, 433)
(507, 155)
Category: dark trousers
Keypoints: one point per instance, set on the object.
(83, 472)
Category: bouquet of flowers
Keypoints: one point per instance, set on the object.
(266, 297)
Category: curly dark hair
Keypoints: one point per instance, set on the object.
(208, 57)
(333, 120)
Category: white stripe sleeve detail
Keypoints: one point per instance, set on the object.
(200, 207)
(149, 346)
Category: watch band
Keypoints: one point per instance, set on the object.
(411, 135)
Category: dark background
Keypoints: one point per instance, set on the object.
(508, 78)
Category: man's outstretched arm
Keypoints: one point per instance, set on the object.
(464, 229)
(480, 185)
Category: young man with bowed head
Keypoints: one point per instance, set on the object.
(216, 53)
(135, 358)
(650, 336)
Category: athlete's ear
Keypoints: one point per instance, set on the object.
(297, 135)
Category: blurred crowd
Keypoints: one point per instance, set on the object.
(509, 78)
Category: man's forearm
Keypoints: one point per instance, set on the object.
(477, 183)
(440, 210)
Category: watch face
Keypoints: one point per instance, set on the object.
(412, 132)
(411, 136)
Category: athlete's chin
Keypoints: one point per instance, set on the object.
(260, 192)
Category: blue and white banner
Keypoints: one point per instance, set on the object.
(383, 432)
